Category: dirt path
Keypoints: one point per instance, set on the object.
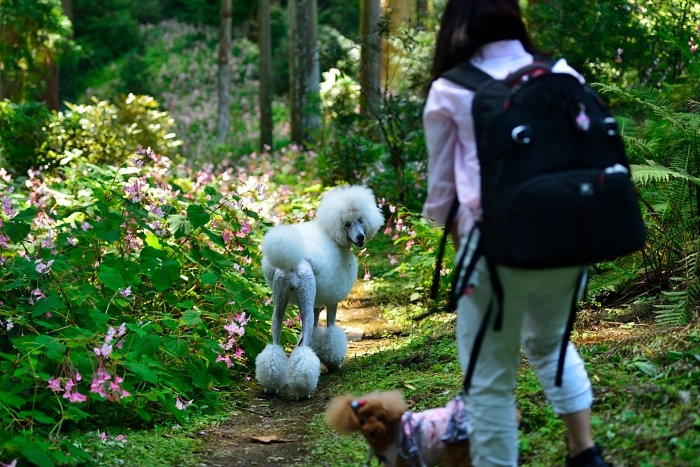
(270, 431)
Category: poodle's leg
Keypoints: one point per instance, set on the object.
(271, 364)
(305, 285)
(304, 365)
(331, 311)
(317, 314)
(281, 291)
(330, 343)
(336, 343)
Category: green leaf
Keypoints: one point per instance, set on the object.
(144, 415)
(191, 318)
(31, 451)
(146, 345)
(110, 278)
(179, 225)
(27, 215)
(165, 275)
(41, 417)
(177, 347)
(209, 278)
(17, 231)
(107, 232)
(647, 368)
(49, 303)
(143, 372)
(197, 215)
(9, 399)
(99, 319)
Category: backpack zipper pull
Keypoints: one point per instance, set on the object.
(583, 122)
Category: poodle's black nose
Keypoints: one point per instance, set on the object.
(360, 238)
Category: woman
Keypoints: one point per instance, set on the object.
(492, 35)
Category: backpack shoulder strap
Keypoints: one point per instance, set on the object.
(467, 75)
(538, 67)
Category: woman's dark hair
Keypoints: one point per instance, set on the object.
(466, 25)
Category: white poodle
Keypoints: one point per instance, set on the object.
(311, 265)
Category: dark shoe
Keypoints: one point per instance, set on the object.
(591, 457)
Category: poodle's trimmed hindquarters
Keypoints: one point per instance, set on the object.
(311, 265)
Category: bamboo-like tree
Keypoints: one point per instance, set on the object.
(370, 64)
(304, 73)
(265, 75)
(224, 119)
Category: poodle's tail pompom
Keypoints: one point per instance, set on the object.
(283, 248)
(340, 414)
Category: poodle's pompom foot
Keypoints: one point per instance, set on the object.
(304, 370)
(271, 368)
(331, 346)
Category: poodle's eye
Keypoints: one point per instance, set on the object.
(359, 220)
(347, 224)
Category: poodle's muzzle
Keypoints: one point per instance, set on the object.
(356, 232)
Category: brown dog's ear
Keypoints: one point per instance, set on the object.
(341, 415)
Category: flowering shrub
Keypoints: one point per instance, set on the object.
(413, 261)
(137, 286)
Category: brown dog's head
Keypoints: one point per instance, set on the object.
(376, 415)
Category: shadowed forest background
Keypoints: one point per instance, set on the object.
(147, 145)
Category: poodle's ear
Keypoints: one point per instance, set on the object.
(366, 202)
(341, 415)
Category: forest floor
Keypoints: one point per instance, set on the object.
(645, 422)
(271, 430)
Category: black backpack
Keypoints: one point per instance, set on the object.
(555, 182)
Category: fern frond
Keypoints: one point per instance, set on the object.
(648, 103)
(653, 171)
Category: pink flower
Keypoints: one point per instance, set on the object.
(182, 404)
(226, 235)
(226, 360)
(239, 353)
(38, 294)
(245, 229)
(77, 397)
(126, 292)
(242, 319)
(7, 206)
(120, 438)
(54, 385)
(103, 436)
(85, 226)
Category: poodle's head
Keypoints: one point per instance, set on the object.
(377, 416)
(349, 214)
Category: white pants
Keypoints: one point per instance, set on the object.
(536, 308)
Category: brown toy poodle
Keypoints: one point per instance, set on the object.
(400, 438)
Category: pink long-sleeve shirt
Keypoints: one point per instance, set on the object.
(453, 165)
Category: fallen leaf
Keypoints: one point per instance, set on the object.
(270, 439)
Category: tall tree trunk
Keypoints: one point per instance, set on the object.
(304, 72)
(399, 12)
(265, 73)
(224, 120)
(370, 64)
(50, 94)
